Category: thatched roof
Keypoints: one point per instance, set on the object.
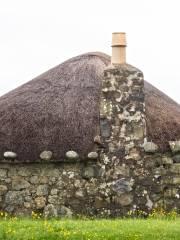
(59, 111)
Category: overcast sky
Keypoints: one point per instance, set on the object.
(36, 35)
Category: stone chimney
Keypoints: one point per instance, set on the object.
(122, 111)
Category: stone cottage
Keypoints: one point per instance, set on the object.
(89, 137)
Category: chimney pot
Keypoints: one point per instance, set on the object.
(118, 48)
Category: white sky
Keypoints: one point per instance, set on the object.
(36, 35)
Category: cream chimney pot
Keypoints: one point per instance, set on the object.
(118, 48)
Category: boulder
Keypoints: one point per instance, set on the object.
(150, 147)
(42, 190)
(72, 155)
(10, 155)
(46, 155)
(175, 146)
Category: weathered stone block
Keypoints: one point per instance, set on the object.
(138, 131)
(100, 202)
(14, 197)
(54, 199)
(150, 147)
(18, 183)
(121, 186)
(42, 190)
(3, 173)
(3, 189)
(170, 192)
(65, 212)
(121, 170)
(40, 202)
(175, 146)
(176, 180)
(105, 128)
(134, 154)
(54, 191)
(175, 168)
(24, 172)
(46, 155)
(50, 211)
(123, 200)
(149, 203)
(91, 172)
(72, 155)
(160, 171)
(10, 155)
(176, 158)
(27, 205)
(34, 179)
(79, 194)
(156, 196)
(167, 160)
(92, 155)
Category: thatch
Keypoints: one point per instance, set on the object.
(163, 117)
(59, 111)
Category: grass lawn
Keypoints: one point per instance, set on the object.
(154, 229)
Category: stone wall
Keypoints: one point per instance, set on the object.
(92, 188)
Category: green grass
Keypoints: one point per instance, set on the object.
(128, 229)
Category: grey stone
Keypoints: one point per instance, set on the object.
(43, 180)
(53, 199)
(121, 186)
(167, 160)
(28, 198)
(97, 140)
(121, 170)
(18, 183)
(10, 155)
(160, 171)
(91, 172)
(175, 168)
(72, 155)
(65, 212)
(93, 155)
(79, 193)
(134, 154)
(54, 191)
(156, 197)
(27, 205)
(3, 189)
(105, 128)
(171, 192)
(42, 190)
(175, 146)
(138, 131)
(46, 155)
(176, 158)
(34, 179)
(24, 172)
(50, 211)
(3, 173)
(7, 180)
(88, 172)
(9, 209)
(150, 147)
(40, 202)
(149, 203)
(124, 200)
(100, 202)
(176, 180)
(14, 197)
